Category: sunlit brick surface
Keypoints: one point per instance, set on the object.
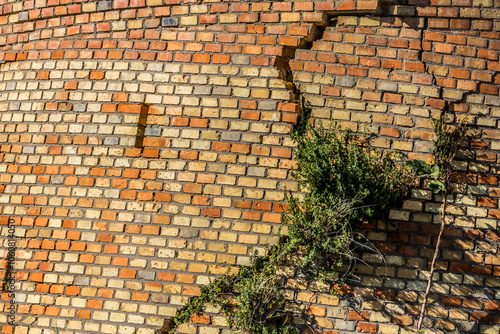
(146, 143)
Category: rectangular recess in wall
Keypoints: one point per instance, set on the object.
(141, 126)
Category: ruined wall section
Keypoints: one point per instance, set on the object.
(146, 143)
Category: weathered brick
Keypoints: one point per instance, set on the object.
(198, 174)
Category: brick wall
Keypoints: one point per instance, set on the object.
(146, 143)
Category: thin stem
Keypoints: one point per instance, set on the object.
(433, 265)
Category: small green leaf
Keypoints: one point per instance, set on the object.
(420, 167)
(437, 186)
(434, 172)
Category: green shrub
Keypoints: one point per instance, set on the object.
(344, 182)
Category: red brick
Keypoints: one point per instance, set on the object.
(480, 317)
(392, 64)
(358, 315)
(488, 179)
(210, 212)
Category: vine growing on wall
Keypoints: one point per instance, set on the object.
(343, 181)
(252, 299)
(446, 143)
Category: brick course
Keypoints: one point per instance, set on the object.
(146, 143)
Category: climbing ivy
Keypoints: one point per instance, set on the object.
(252, 300)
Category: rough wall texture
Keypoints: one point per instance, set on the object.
(145, 143)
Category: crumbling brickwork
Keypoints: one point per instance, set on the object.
(146, 143)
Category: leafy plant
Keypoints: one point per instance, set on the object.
(446, 144)
(424, 170)
(448, 139)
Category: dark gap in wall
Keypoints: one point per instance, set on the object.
(141, 126)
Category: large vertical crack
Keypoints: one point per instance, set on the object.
(282, 63)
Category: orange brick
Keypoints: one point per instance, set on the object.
(201, 58)
(240, 148)
(108, 215)
(316, 311)
(140, 296)
(366, 328)
(108, 108)
(251, 215)
(72, 291)
(87, 258)
(83, 314)
(105, 293)
(391, 132)
(281, 152)
(358, 315)
(37, 309)
(36, 277)
(189, 155)
(42, 75)
(148, 174)
(153, 230)
(95, 304)
(193, 188)
(162, 276)
(200, 319)
(211, 212)
(151, 153)
(198, 122)
(127, 273)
